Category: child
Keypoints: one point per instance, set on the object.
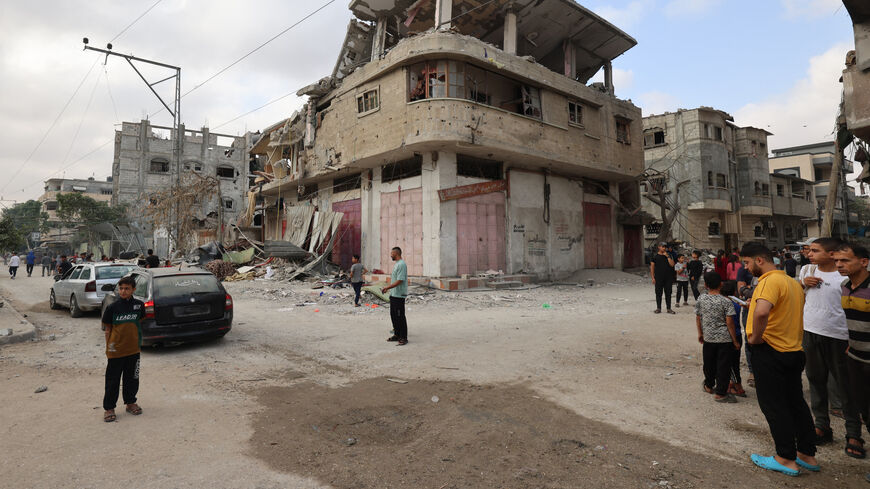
(123, 340)
(696, 269)
(356, 278)
(682, 280)
(714, 318)
(729, 290)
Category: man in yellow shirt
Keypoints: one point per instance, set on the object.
(774, 335)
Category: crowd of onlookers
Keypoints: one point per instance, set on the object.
(60, 263)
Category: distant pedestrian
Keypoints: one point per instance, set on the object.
(661, 269)
(714, 317)
(852, 261)
(46, 264)
(64, 266)
(14, 263)
(30, 259)
(696, 269)
(732, 269)
(356, 278)
(720, 263)
(775, 331)
(123, 342)
(152, 261)
(682, 281)
(398, 288)
(790, 265)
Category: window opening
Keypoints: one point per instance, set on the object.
(349, 182)
(575, 113)
(623, 132)
(765, 189)
(718, 131)
(406, 168)
(368, 101)
(780, 190)
(713, 228)
(709, 179)
(721, 181)
(531, 101)
(653, 228)
(228, 203)
(759, 231)
(470, 166)
(159, 166)
(226, 172)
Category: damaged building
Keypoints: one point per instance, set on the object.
(717, 183)
(465, 133)
(145, 163)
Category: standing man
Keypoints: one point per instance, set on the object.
(30, 260)
(64, 266)
(46, 264)
(696, 269)
(661, 269)
(774, 332)
(852, 261)
(356, 278)
(398, 288)
(14, 263)
(123, 342)
(152, 261)
(825, 342)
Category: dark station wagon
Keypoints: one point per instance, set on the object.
(180, 305)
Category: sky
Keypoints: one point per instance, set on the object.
(773, 64)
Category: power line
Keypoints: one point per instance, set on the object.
(81, 121)
(135, 20)
(254, 110)
(112, 98)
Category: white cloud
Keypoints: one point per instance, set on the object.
(805, 113)
(681, 8)
(810, 8)
(627, 17)
(623, 80)
(656, 102)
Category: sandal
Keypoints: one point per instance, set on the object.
(708, 390)
(826, 437)
(670, 311)
(658, 311)
(109, 417)
(857, 451)
(393, 338)
(736, 390)
(402, 342)
(135, 410)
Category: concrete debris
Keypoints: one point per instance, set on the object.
(6, 332)
(39, 389)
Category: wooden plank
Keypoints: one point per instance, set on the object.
(464, 191)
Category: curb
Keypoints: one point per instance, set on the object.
(23, 330)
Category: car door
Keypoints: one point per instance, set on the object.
(78, 286)
(62, 292)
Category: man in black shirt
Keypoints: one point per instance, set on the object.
(64, 266)
(152, 261)
(790, 265)
(661, 269)
(696, 269)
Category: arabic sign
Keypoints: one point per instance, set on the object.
(472, 190)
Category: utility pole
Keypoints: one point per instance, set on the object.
(833, 187)
(175, 111)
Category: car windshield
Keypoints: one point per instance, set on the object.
(180, 285)
(113, 271)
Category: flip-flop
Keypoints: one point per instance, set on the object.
(108, 418)
(770, 463)
(811, 468)
(136, 411)
(862, 452)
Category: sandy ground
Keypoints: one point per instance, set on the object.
(592, 391)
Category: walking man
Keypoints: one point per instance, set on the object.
(774, 332)
(825, 342)
(661, 269)
(398, 288)
(30, 260)
(46, 264)
(852, 261)
(14, 263)
(356, 278)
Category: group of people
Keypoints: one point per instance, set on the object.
(816, 320)
(30, 259)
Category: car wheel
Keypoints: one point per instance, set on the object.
(74, 310)
(52, 301)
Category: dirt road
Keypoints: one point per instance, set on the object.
(592, 391)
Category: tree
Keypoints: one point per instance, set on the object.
(657, 183)
(27, 217)
(10, 237)
(182, 208)
(76, 210)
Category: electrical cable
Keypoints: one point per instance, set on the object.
(134, 21)
(112, 98)
(81, 121)
(254, 110)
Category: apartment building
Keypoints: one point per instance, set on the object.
(57, 237)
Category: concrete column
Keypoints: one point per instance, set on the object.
(443, 14)
(439, 218)
(370, 220)
(510, 30)
(380, 38)
(570, 59)
(608, 78)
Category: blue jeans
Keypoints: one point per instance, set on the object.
(357, 287)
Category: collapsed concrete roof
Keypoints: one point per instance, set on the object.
(543, 25)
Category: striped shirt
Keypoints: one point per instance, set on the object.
(856, 303)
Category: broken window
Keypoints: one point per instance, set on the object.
(349, 182)
(407, 168)
(780, 190)
(759, 231)
(713, 228)
(531, 102)
(228, 203)
(159, 165)
(437, 79)
(721, 181)
(226, 172)
(765, 189)
(306, 192)
(623, 131)
(368, 101)
(653, 137)
(575, 113)
(470, 166)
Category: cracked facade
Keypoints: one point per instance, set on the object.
(464, 132)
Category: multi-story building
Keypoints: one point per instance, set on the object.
(57, 235)
(813, 162)
(716, 175)
(145, 163)
(856, 76)
(468, 138)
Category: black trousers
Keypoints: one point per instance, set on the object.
(735, 358)
(397, 315)
(780, 396)
(29, 269)
(717, 366)
(693, 282)
(682, 290)
(826, 357)
(127, 367)
(13, 271)
(357, 287)
(666, 286)
(859, 390)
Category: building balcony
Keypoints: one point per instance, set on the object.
(791, 206)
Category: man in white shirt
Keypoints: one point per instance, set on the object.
(826, 340)
(14, 263)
